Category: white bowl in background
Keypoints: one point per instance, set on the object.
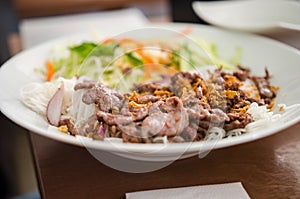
(258, 16)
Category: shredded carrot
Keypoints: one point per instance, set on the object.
(149, 68)
(50, 70)
(129, 40)
(107, 40)
(185, 31)
(163, 69)
(147, 71)
(146, 59)
(120, 41)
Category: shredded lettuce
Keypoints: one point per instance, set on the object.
(192, 55)
(175, 59)
(92, 49)
(113, 61)
(214, 58)
(85, 58)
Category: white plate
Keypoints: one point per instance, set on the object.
(257, 53)
(259, 16)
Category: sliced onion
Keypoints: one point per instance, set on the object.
(54, 107)
(101, 131)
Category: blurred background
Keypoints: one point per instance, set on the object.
(13, 12)
(21, 21)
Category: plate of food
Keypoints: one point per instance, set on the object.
(158, 93)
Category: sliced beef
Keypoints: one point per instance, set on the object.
(177, 118)
(218, 116)
(189, 134)
(217, 78)
(140, 113)
(237, 120)
(148, 98)
(104, 97)
(242, 74)
(182, 107)
(111, 119)
(198, 111)
(84, 85)
(154, 123)
(148, 88)
(181, 86)
(263, 85)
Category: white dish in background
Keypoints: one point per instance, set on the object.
(257, 53)
(35, 31)
(259, 16)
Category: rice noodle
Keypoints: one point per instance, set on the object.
(235, 132)
(289, 112)
(160, 139)
(36, 96)
(81, 111)
(259, 112)
(215, 133)
(264, 118)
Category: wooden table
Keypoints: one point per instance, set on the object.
(268, 168)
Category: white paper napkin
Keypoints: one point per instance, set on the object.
(37, 30)
(218, 191)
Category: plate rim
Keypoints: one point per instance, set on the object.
(146, 148)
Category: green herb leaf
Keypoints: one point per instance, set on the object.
(84, 49)
(133, 59)
(88, 48)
